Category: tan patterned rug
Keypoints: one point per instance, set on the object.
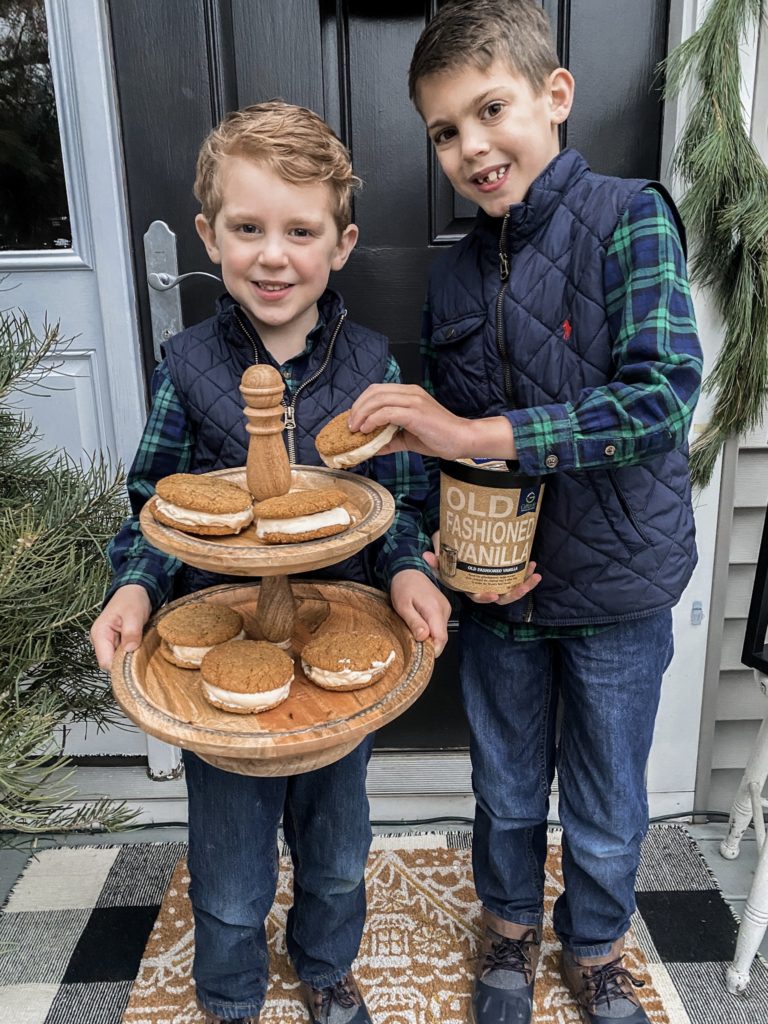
(416, 961)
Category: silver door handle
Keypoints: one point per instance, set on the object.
(162, 278)
(162, 282)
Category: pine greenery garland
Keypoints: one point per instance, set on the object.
(55, 520)
(726, 209)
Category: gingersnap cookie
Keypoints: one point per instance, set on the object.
(246, 676)
(339, 447)
(189, 632)
(202, 504)
(301, 515)
(346, 660)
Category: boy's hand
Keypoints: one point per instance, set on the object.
(122, 621)
(421, 605)
(532, 578)
(427, 427)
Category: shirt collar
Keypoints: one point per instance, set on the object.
(541, 200)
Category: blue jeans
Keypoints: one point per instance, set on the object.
(233, 864)
(609, 685)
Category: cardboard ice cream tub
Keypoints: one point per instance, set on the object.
(488, 516)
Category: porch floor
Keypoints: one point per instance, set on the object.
(734, 877)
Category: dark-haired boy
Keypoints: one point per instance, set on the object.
(560, 333)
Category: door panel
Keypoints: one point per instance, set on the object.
(181, 64)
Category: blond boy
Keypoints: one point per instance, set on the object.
(275, 187)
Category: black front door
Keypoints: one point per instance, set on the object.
(181, 64)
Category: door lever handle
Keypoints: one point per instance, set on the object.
(162, 282)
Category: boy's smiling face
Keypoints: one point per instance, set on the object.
(492, 132)
(277, 244)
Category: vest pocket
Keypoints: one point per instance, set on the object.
(461, 379)
(629, 514)
(456, 330)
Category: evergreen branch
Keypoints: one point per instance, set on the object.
(56, 518)
(726, 210)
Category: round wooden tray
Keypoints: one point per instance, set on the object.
(314, 727)
(371, 506)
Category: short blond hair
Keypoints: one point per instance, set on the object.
(292, 141)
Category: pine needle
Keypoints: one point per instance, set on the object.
(725, 209)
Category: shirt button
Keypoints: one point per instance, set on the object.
(551, 461)
(610, 449)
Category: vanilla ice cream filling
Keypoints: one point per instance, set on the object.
(195, 655)
(365, 451)
(339, 677)
(234, 520)
(303, 524)
(252, 701)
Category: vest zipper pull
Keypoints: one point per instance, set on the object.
(503, 260)
(289, 418)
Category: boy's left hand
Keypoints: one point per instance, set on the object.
(422, 606)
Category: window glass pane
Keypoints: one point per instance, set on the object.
(33, 201)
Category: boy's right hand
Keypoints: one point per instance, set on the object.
(121, 622)
(532, 578)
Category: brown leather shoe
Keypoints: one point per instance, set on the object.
(604, 990)
(341, 1003)
(506, 971)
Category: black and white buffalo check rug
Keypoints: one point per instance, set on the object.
(102, 935)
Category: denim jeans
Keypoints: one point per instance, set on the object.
(233, 865)
(609, 685)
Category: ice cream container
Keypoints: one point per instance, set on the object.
(488, 516)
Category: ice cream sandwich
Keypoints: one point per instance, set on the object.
(346, 660)
(301, 515)
(339, 447)
(202, 504)
(246, 676)
(188, 633)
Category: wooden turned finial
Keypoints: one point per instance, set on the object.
(267, 469)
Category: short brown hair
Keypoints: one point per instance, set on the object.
(478, 32)
(292, 141)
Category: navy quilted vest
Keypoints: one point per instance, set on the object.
(206, 363)
(611, 544)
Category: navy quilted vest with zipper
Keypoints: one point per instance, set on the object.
(612, 544)
(206, 363)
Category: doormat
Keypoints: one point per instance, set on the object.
(103, 935)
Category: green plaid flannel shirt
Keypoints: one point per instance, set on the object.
(652, 395)
(166, 447)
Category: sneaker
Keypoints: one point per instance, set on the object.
(506, 971)
(604, 990)
(341, 1003)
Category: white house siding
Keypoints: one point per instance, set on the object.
(733, 703)
(739, 705)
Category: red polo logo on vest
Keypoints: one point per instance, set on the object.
(567, 330)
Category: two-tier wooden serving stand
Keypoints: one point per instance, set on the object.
(314, 727)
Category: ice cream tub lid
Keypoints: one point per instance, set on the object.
(496, 473)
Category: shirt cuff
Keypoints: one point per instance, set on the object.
(159, 591)
(544, 439)
(399, 564)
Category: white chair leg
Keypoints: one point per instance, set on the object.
(741, 811)
(752, 927)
